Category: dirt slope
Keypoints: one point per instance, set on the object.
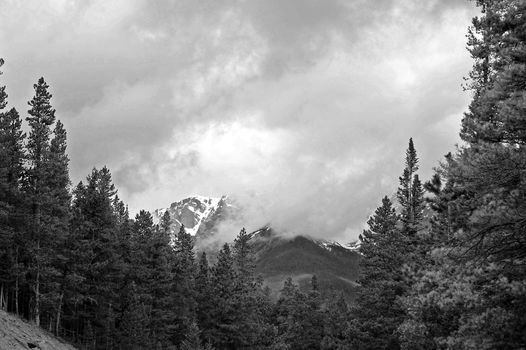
(16, 334)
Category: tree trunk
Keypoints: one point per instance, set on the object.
(2, 306)
(38, 261)
(59, 308)
(410, 198)
(37, 289)
(16, 283)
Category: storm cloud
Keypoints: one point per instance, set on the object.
(301, 109)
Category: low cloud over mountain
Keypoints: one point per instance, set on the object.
(302, 110)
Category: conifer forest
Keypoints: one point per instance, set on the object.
(442, 264)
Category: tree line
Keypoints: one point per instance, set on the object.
(73, 261)
(443, 266)
(449, 271)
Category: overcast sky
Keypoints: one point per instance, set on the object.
(302, 108)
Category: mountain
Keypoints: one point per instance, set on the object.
(277, 257)
(17, 334)
(199, 214)
(300, 257)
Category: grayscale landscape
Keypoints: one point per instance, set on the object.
(263, 174)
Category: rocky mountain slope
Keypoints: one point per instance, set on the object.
(198, 214)
(300, 257)
(16, 334)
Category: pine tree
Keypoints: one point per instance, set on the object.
(299, 317)
(58, 212)
(41, 117)
(410, 193)
(223, 314)
(192, 339)
(245, 325)
(142, 273)
(95, 227)
(148, 280)
(263, 306)
(6, 234)
(377, 313)
(443, 221)
(58, 161)
(12, 156)
(489, 171)
(165, 225)
(251, 324)
(163, 258)
(471, 292)
(123, 276)
(314, 320)
(410, 196)
(336, 324)
(496, 43)
(424, 323)
(284, 309)
(134, 332)
(244, 259)
(203, 290)
(183, 285)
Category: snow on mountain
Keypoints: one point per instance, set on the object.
(201, 216)
(192, 212)
(277, 256)
(326, 244)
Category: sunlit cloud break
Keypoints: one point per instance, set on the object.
(301, 109)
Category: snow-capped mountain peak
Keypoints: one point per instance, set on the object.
(192, 212)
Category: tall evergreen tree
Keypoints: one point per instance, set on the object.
(41, 117)
(251, 319)
(377, 313)
(410, 193)
(183, 285)
(193, 341)
(496, 43)
(142, 272)
(163, 259)
(95, 227)
(471, 294)
(12, 156)
(134, 321)
(204, 299)
(223, 314)
(5, 230)
(283, 312)
(124, 274)
(244, 259)
(491, 169)
(59, 211)
(300, 319)
(336, 318)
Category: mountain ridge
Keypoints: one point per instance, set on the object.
(192, 212)
(277, 257)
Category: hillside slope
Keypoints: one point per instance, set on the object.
(300, 257)
(16, 334)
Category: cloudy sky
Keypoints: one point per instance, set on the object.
(302, 108)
